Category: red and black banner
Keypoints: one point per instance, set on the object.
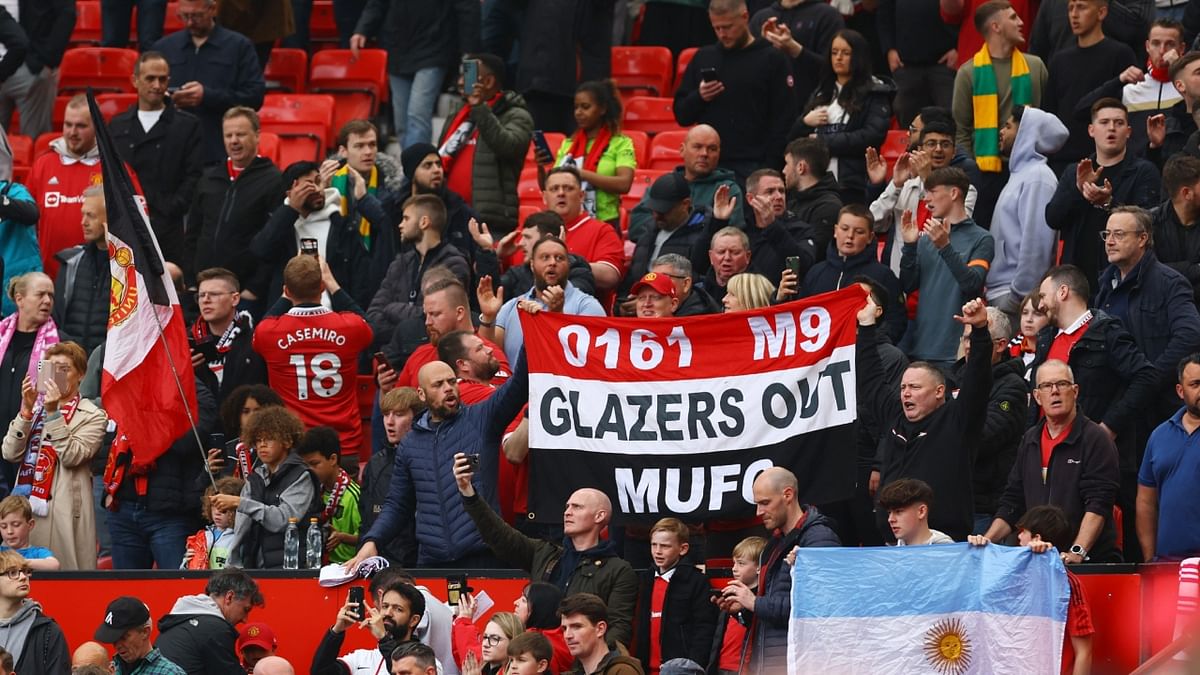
(678, 416)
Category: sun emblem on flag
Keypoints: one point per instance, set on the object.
(947, 647)
(123, 299)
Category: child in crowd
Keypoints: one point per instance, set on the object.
(675, 617)
(1033, 320)
(208, 549)
(729, 653)
(529, 654)
(1039, 529)
(279, 488)
(907, 502)
(16, 522)
(320, 450)
(400, 407)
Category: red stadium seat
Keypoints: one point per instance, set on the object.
(895, 145)
(287, 70)
(642, 178)
(101, 68)
(641, 145)
(642, 71)
(527, 210)
(110, 105)
(553, 139)
(87, 24)
(529, 191)
(358, 85)
(22, 149)
(664, 150)
(650, 114)
(322, 28)
(303, 123)
(268, 146)
(685, 57)
(173, 22)
(42, 144)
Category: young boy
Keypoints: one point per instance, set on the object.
(676, 618)
(400, 407)
(279, 488)
(1039, 529)
(907, 502)
(529, 654)
(16, 522)
(729, 642)
(320, 450)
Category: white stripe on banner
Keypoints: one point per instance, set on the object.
(691, 416)
(958, 643)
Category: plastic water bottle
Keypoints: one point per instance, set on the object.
(313, 545)
(291, 545)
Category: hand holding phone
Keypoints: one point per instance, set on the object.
(470, 76)
(308, 246)
(355, 597)
(541, 148)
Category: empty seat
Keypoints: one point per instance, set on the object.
(664, 150)
(322, 27)
(529, 191)
(650, 114)
(357, 84)
(303, 123)
(104, 69)
(22, 150)
(287, 70)
(87, 24)
(268, 146)
(642, 70)
(685, 57)
(641, 145)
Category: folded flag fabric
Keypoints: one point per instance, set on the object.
(950, 609)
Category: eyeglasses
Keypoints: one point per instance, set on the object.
(934, 145)
(1118, 235)
(204, 295)
(491, 640)
(15, 573)
(188, 17)
(1051, 386)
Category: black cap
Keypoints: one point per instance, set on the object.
(122, 614)
(413, 155)
(667, 191)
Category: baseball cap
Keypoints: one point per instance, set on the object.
(667, 190)
(659, 283)
(122, 614)
(256, 634)
(681, 667)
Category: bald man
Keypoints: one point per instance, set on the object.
(92, 654)
(793, 524)
(425, 457)
(584, 562)
(274, 665)
(700, 152)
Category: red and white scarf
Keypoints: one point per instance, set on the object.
(464, 129)
(245, 460)
(47, 335)
(335, 498)
(36, 475)
(591, 160)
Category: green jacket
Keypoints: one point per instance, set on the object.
(598, 571)
(504, 135)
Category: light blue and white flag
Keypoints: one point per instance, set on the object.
(948, 610)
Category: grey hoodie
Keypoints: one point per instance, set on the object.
(1024, 242)
(14, 631)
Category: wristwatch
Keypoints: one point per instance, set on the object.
(1079, 551)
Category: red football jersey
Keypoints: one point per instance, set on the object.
(58, 190)
(312, 363)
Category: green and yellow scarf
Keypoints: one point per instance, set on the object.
(341, 181)
(986, 103)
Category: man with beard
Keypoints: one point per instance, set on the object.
(474, 362)
(445, 535)
(425, 175)
(498, 320)
(518, 279)
(391, 624)
(397, 306)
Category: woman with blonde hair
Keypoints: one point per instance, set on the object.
(747, 291)
(488, 649)
(53, 440)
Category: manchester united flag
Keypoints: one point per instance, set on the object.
(147, 385)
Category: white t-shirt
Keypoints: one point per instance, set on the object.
(149, 118)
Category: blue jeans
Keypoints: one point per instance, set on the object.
(143, 538)
(115, 16)
(413, 99)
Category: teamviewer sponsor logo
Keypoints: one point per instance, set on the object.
(56, 199)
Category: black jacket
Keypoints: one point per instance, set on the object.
(937, 448)
(227, 65)
(818, 206)
(867, 127)
(772, 607)
(198, 638)
(996, 447)
(916, 30)
(168, 161)
(420, 34)
(16, 45)
(1154, 303)
(81, 292)
(1180, 136)
(698, 302)
(396, 312)
(48, 25)
(1082, 478)
(837, 271)
(45, 649)
(714, 652)
(267, 547)
(1051, 30)
(813, 25)
(687, 240)
(1115, 380)
(1135, 182)
(551, 29)
(518, 279)
(869, 426)
(226, 215)
(1177, 244)
(458, 216)
(688, 617)
(376, 480)
(787, 236)
(242, 365)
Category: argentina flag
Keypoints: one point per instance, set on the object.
(948, 609)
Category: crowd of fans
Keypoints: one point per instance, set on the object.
(1028, 359)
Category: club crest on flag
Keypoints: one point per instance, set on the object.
(124, 300)
(947, 647)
